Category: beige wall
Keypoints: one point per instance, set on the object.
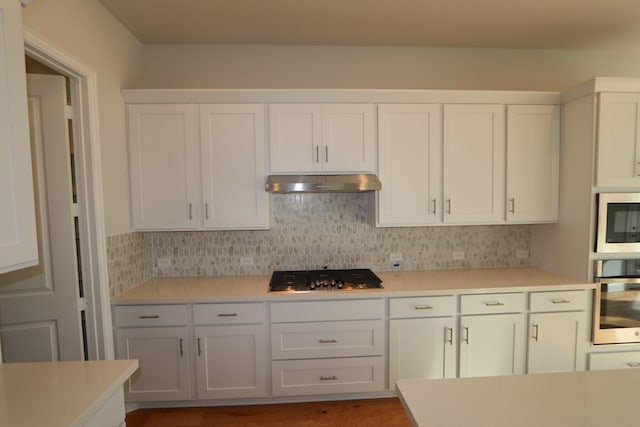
(87, 32)
(206, 66)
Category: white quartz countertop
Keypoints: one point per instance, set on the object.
(255, 288)
(572, 399)
(56, 394)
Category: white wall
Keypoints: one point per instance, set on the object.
(264, 66)
(90, 34)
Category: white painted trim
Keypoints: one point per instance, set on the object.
(181, 96)
(54, 57)
(600, 84)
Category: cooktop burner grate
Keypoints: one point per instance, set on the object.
(310, 280)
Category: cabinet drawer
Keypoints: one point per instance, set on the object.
(151, 315)
(492, 303)
(558, 301)
(327, 310)
(224, 314)
(327, 376)
(422, 306)
(618, 360)
(327, 339)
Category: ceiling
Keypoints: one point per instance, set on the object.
(527, 24)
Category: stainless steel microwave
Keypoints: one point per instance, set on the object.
(618, 223)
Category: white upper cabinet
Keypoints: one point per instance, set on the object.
(410, 153)
(233, 166)
(197, 166)
(18, 238)
(533, 158)
(618, 144)
(474, 163)
(163, 155)
(314, 138)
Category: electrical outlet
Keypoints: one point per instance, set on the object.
(164, 262)
(458, 255)
(246, 260)
(395, 257)
(522, 254)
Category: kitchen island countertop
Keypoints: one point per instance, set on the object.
(395, 283)
(61, 393)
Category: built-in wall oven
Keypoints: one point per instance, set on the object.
(617, 303)
(618, 228)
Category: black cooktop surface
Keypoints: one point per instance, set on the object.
(310, 280)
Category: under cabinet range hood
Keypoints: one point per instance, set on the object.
(343, 183)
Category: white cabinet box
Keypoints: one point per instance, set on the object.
(308, 138)
(197, 166)
(614, 360)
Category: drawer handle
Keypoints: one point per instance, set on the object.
(331, 341)
(560, 301)
(149, 316)
(535, 335)
(493, 303)
(633, 364)
(423, 307)
(331, 378)
(228, 315)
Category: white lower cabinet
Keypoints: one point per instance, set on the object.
(231, 361)
(614, 360)
(422, 340)
(327, 347)
(164, 359)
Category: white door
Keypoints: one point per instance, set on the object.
(39, 306)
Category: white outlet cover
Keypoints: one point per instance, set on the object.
(522, 254)
(458, 255)
(246, 260)
(395, 257)
(164, 262)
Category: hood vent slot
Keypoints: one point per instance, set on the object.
(347, 183)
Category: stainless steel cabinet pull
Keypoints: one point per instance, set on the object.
(535, 335)
(149, 316)
(423, 307)
(450, 340)
(190, 211)
(206, 211)
(227, 314)
(466, 334)
(317, 154)
(633, 364)
(449, 206)
(181, 348)
(331, 378)
(331, 341)
(326, 153)
(512, 200)
(493, 303)
(199, 348)
(433, 205)
(560, 301)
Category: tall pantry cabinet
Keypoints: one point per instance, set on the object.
(18, 238)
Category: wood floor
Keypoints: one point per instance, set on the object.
(350, 413)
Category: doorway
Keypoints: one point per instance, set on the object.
(87, 297)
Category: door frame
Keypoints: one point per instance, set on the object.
(84, 91)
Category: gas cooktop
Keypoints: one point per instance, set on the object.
(311, 280)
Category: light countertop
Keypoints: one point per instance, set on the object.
(255, 288)
(56, 394)
(572, 399)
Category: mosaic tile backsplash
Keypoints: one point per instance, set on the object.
(310, 231)
(129, 261)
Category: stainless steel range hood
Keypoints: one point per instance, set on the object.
(345, 183)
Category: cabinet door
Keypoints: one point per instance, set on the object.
(233, 166)
(163, 355)
(533, 159)
(491, 345)
(231, 361)
(474, 164)
(410, 153)
(556, 342)
(164, 167)
(348, 138)
(421, 348)
(618, 161)
(18, 238)
(295, 138)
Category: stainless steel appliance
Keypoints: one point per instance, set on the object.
(618, 222)
(343, 183)
(617, 304)
(323, 280)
